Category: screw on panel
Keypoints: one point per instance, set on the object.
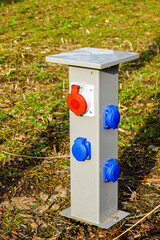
(116, 218)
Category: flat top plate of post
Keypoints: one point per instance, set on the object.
(92, 57)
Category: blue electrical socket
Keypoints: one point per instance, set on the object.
(111, 171)
(81, 149)
(111, 117)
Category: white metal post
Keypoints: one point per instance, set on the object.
(93, 200)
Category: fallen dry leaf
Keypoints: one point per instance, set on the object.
(101, 234)
(133, 196)
(69, 228)
(91, 234)
(62, 192)
(152, 181)
(82, 233)
(34, 226)
(146, 226)
(155, 181)
(150, 105)
(52, 238)
(14, 236)
(6, 204)
(134, 220)
(134, 237)
(23, 202)
(43, 196)
(126, 194)
(58, 188)
(44, 225)
(37, 238)
(41, 209)
(53, 198)
(26, 215)
(55, 207)
(41, 224)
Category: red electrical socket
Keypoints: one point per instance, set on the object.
(75, 101)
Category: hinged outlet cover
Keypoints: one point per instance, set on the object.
(87, 91)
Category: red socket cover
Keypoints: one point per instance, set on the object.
(75, 101)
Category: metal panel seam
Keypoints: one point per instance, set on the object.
(98, 134)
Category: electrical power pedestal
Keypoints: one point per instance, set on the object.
(94, 119)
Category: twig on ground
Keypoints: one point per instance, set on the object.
(141, 215)
(26, 156)
(129, 188)
(137, 222)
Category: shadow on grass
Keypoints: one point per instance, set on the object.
(52, 140)
(136, 161)
(139, 158)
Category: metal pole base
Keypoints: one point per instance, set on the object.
(107, 223)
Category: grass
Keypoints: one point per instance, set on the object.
(34, 118)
